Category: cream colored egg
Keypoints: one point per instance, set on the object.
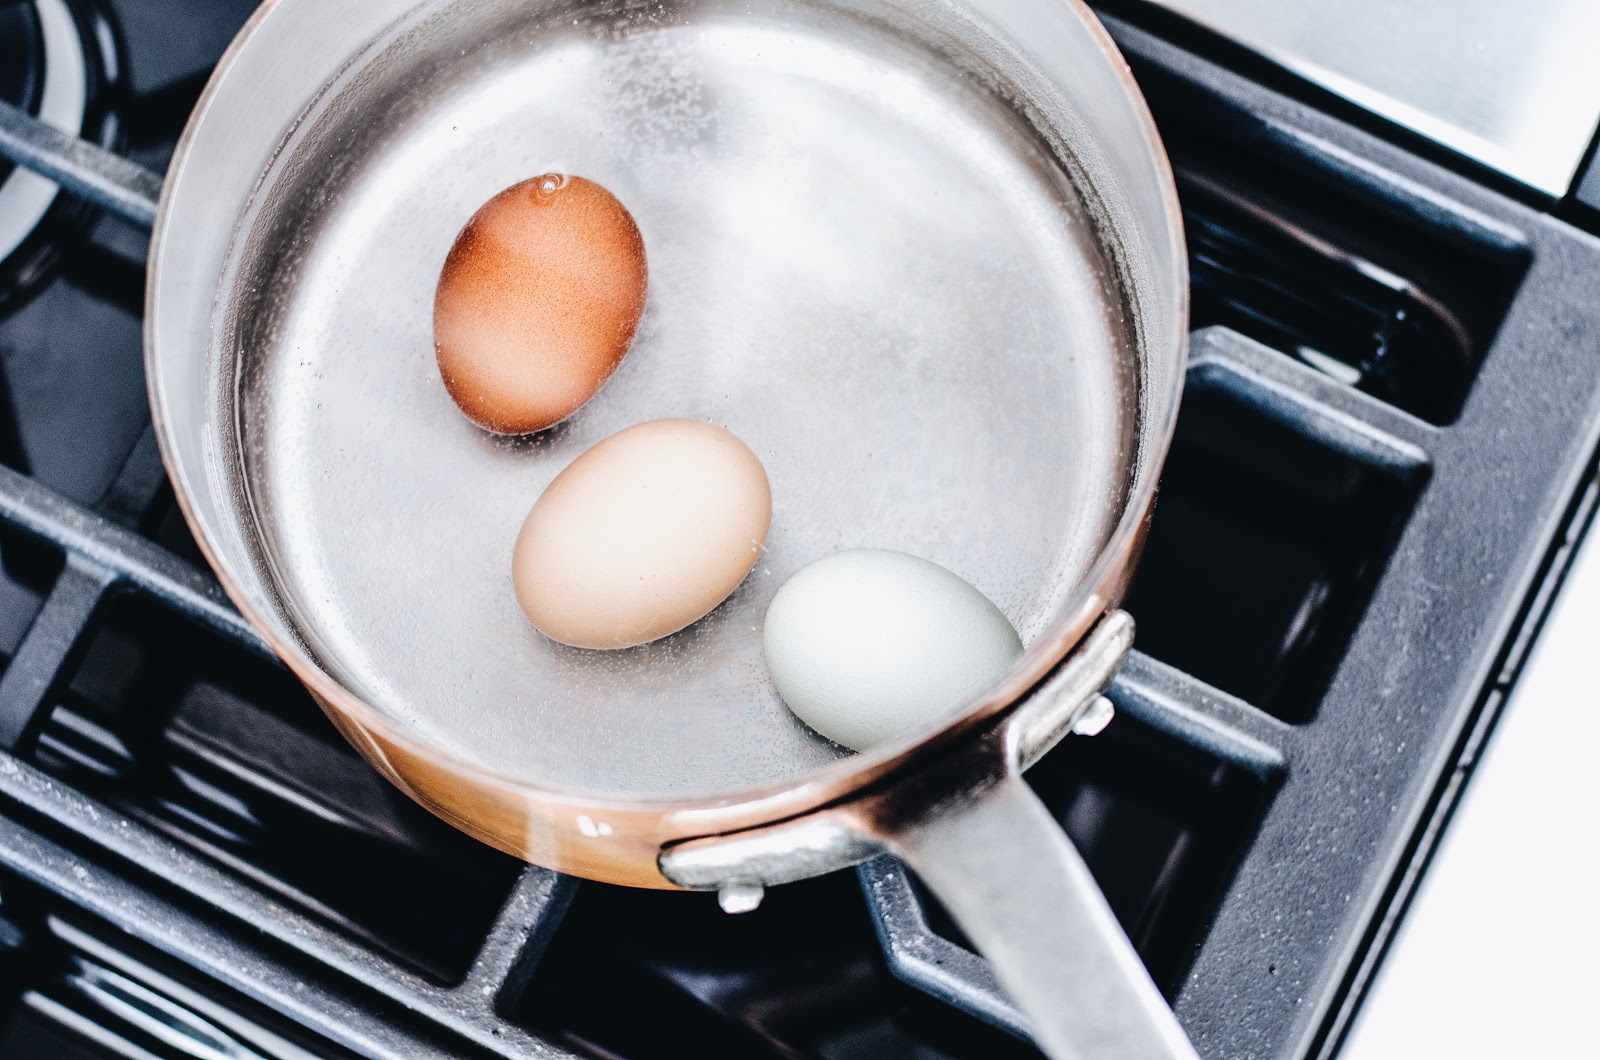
(641, 535)
(868, 645)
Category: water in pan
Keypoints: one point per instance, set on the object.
(861, 262)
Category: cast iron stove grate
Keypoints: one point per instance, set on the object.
(1385, 455)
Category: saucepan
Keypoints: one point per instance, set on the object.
(923, 256)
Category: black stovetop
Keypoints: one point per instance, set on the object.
(1384, 448)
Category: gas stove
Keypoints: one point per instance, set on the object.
(1385, 459)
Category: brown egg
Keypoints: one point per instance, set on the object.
(538, 302)
(642, 534)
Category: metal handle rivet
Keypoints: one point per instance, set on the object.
(1095, 717)
(740, 896)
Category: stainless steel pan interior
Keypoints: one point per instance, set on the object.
(865, 261)
(922, 255)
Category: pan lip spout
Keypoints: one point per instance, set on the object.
(626, 833)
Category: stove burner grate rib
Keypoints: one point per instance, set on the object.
(83, 169)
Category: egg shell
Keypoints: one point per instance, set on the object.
(642, 534)
(870, 644)
(538, 302)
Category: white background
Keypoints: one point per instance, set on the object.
(1499, 956)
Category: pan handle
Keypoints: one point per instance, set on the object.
(1016, 885)
(988, 848)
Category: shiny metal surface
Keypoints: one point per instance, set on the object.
(1049, 936)
(864, 268)
(868, 270)
(923, 258)
(1054, 943)
(1071, 701)
(1514, 86)
(864, 262)
(780, 853)
(1002, 866)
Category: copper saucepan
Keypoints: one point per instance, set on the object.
(924, 256)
